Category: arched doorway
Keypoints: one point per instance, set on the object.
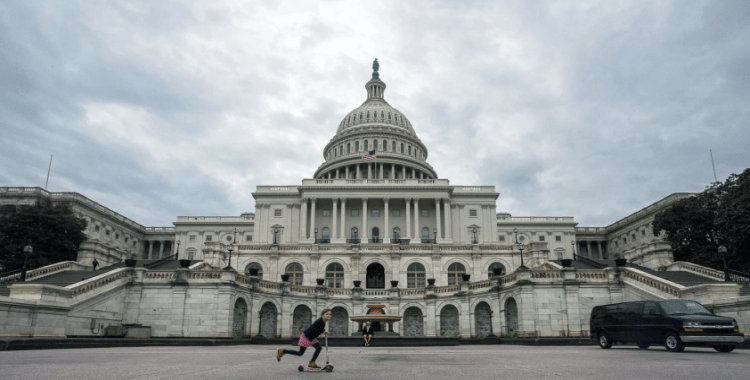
(375, 276)
(413, 322)
(482, 320)
(301, 319)
(267, 320)
(511, 317)
(339, 324)
(449, 321)
(238, 319)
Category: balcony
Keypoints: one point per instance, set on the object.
(323, 241)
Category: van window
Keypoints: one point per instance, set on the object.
(683, 307)
(648, 306)
(633, 309)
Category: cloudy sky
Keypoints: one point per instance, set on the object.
(591, 109)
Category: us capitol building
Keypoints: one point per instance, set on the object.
(375, 225)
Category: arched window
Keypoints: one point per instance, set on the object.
(393, 146)
(425, 235)
(415, 276)
(335, 276)
(355, 233)
(295, 273)
(455, 271)
(360, 116)
(490, 270)
(254, 266)
(375, 144)
(341, 150)
(356, 146)
(389, 116)
(397, 233)
(368, 115)
(348, 147)
(402, 148)
(410, 150)
(366, 145)
(385, 145)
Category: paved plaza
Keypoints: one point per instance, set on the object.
(460, 362)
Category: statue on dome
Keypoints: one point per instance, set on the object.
(375, 67)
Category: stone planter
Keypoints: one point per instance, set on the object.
(394, 284)
(285, 277)
(621, 262)
(253, 271)
(357, 284)
(566, 262)
(185, 263)
(320, 281)
(431, 281)
(466, 276)
(130, 263)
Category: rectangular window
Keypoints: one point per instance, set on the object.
(396, 212)
(326, 212)
(106, 232)
(209, 237)
(501, 238)
(633, 237)
(192, 237)
(277, 212)
(126, 239)
(558, 238)
(425, 212)
(117, 236)
(248, 237)
(472, 212)
(541, 237)
(643, 232)
(375, 212)
(355, 212)
(96, 228)
(133, 243)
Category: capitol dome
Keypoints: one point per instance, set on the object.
(375, 126)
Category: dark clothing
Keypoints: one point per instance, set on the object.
(368, 330)
(302, 351)
(316, 329)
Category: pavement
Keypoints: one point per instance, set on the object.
(433, 363)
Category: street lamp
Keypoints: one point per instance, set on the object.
(316, 235)
(276, 235)
(723, 252)
(177, 255)
(230, 248)
(521, 247)
(573, 243)
(474, 231)
(27, 250)
(434, 231)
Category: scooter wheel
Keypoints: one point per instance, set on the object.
(301, 368)
(329, 368)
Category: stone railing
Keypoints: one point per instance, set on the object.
(651, 283)
(376, 293)
(12, 277)
(548, 275)
(412, 292)
(116, 277)
(269, 285)
(54, 268)
(161, 276)
(697, 269)
(302, 289)
(339, 292)
(204, 275)
(592, 275)
(482, 284)
(508, 279)
(448, 289)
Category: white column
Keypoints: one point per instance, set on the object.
(347, 172)
(313, 201)
(403, 172)
(387, 233)
(437, 220)
(161, 248)
(358, 175)
(369, 170)
(416, 219)
(364, 220)
(393, 171)
(150, 249)
(343, 218)
(407, 234)
(337, 173)
(381, 171)
(334, 232)
(448, 219)
(303, 219)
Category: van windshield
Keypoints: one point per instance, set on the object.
(683, 307)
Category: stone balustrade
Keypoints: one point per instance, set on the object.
(651, 283)
(482, 284)
(697, 269)
(592, 275)
(54, 268)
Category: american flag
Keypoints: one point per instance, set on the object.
(369, 156)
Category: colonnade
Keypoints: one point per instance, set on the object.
(599, 254)
(375, 170)
(151, 254)
(412, 230)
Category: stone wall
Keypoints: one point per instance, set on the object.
(449, 321)
(301, 320)
(413, 322)
(339, 323)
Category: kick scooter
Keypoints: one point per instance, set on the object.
(326, 368)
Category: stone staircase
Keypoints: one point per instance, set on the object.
(683, 278)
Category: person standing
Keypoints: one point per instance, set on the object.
(309, 338)
(367, 333)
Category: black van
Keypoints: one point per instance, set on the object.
(674, 323)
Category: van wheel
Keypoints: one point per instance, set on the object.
(604, 341)
(643, 346)
(724, 348)
(673, 343)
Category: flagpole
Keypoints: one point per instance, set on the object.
(713, 165)
(48, 170)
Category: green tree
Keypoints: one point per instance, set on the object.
(720, 215)
(53, 230)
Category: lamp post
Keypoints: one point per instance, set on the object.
(27, 250)
(276, 235)
(723, 252)
(521, 247)
(474, 239)
(573, 243)
(316, 235)
(434, 232)
(177, 255)
(230, 248)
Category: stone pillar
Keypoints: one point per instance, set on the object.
(403, 172)
(393, 171)
(286, 318)
(303, 220)
(387, 233)
(358, 174)
(343, 218)
(364, 220)
(431, 326)
(465, 319)
(448, 219)
(334, 232)
(485, 221)
(161, 248)
(177, 312)
(461, 228)
(313, 201)
(416, 218)
(346, 172)
(369, 170)
(599, 247)
(150, 249)
(381, 171)
(439, 234)
(337, 173)
(408, 218)
(588, 250)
